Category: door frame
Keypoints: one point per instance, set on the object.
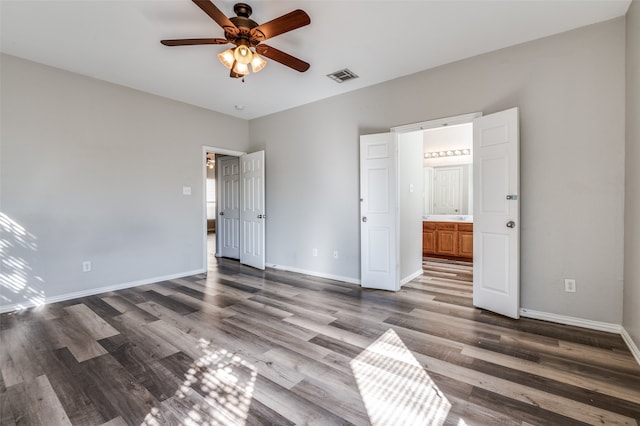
(436, 123)
(203, 210)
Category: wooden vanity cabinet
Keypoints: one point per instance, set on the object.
(428, 238)
(452, 240)
(465, 240)
(447, 238)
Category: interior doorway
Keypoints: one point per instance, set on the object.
(445, 219)
(210, 211)
(448, 195)
(239, 184)
(388, 191)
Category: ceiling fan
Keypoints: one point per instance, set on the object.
(246, 34)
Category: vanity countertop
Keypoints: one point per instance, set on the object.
(448, 218)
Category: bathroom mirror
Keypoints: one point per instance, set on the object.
(448, 190)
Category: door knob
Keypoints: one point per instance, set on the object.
(262, 216)
(221, 213)
(511, 224)
(364, 218)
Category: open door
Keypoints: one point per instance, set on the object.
(496, 213)
(228, 220)
(252, 210)
(379, 263)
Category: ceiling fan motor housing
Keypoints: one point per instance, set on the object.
(243, 23)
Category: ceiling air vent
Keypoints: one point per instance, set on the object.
(342, 75)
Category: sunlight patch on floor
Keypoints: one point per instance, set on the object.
(219, 387)
(395, 388)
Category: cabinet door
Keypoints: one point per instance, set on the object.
(447, 242)
(428, 242)
(465, 244)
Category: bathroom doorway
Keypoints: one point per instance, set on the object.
(448, 194)
(494, 223)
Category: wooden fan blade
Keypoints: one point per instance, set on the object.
(192, 41)
(215, 14)
(283, 58)
(292, 20)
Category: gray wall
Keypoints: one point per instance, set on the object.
(94, 171)
(631, 320)
(571, 92)
(411, 196)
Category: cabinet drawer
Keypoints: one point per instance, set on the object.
(465, 227)
(430, 226)
(443, 226)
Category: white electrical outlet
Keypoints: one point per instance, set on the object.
(186, 190)
(86, 266)
(315, 252)
(570, 285)
(335, 254)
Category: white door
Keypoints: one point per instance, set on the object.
(378, 212)
(447, 194)
(252, 215)
(496, 227)
(228, 223)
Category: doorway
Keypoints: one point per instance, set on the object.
(496, 227)
(448, 195)
(245, 180)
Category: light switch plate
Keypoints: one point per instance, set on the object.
(186, 190)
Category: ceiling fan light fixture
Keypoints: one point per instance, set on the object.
(257, 63)
(227, 58)
(243, 54)
(240, 68)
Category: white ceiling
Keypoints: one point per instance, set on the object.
(119, 41)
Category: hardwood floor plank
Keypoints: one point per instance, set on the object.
(92, 323)
(114, 391)
(76, 403)
(293, 407)
(36, 403)
(123, 306)
(117, 421)
(294, 309)
(133, 326)
(168, 302)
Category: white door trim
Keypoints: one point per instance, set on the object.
(223, 151)
(439, 122)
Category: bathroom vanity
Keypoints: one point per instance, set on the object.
(447, 239)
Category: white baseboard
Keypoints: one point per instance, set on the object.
(99, 290)
(578, 322)
(635, 351)
(411, 277)
(314, 273)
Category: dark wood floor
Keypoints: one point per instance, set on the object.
(241, 346)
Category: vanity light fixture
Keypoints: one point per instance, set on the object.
(448, 153)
